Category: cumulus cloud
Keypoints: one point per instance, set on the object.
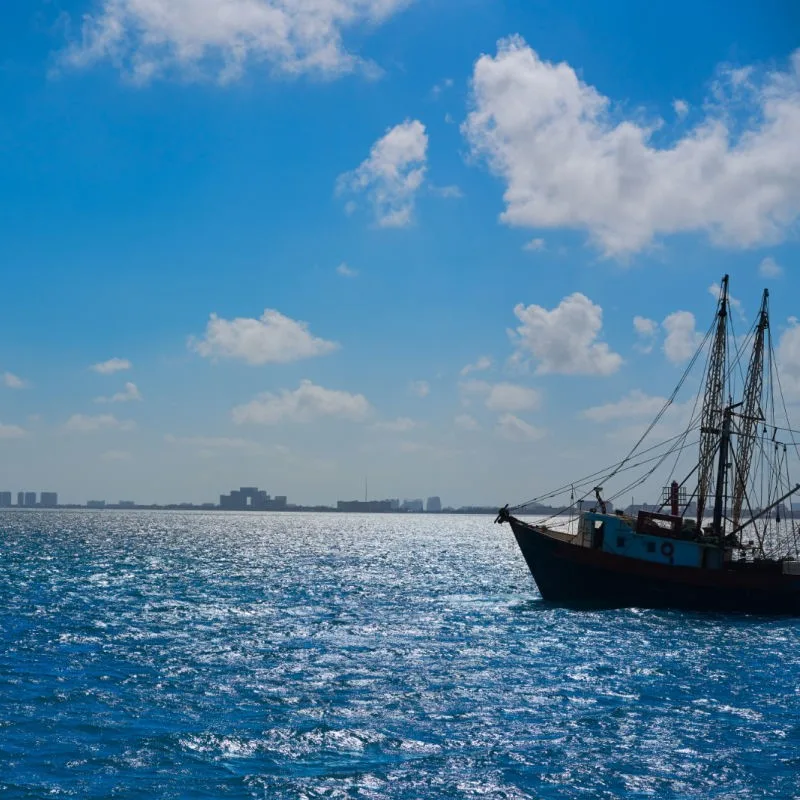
(420, 388)
(564, 339)
(503, 396)
(682, 338)
(305, 404)
(646, 330)
(681, 108)
(345, 271)
(483, 363)
(83, 423)
(12, 381)
(392, 174)
(147, 39)
(569, 161)
(271, 339)
(635, 404)
(111, 366)
(130, 393)
(11, 431)
(517, 430)
(769, 268)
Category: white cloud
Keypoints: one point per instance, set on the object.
(345, 271)
(534, 244)
(769, 268)
(305, 404)
(644, 326)
(646, 330)
(272, 339)
(466, 422)
(516, 430)
(635, 404)
(392, 174)
(147, 39)
(484, 362)
(83, 423)
(503, 396)
(399, 425)
(13, 381)
(569, 161)
(130, 393)
(419, 388)
(681, 108)
(564, 340)
(111, 366)
(682, 339)
(11, 431)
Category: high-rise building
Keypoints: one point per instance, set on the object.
(49, 499)
(5, 499)
(251, 498)
(30, 499)
(412, 505)
(20, 499)
(434, 504)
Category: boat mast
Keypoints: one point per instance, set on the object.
(710, 424)
(722, 466)
(751, 411)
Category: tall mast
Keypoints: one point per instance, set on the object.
(711, 421)
(751, 411)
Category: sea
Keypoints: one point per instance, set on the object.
(221, 655)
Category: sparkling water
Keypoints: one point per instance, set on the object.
(187, 655)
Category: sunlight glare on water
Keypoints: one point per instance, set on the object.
(169, 655)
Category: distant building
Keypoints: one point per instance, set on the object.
(412, 505)
(126, 504)
(251, 498)
(5, 499)
(365, 506)
(395, 504)
(434, 504)
(49, 499)
(30, 499)
(20, 499)
(96, 504)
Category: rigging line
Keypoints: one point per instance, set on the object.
(633, 484)
(670, 399)
(589, 482)
(593, 475)
(780, 392)
(641, 480)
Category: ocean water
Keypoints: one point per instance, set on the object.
(168, 655)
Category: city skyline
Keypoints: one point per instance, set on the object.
(474, 263)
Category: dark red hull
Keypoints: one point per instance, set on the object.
(581, 577)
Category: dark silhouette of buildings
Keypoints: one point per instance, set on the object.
(251, 498)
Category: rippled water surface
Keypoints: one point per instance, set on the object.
(166, 655)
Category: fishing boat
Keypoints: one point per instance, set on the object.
(723, 537)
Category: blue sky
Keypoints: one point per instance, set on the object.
(581, 163)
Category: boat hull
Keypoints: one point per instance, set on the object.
(580, 577)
